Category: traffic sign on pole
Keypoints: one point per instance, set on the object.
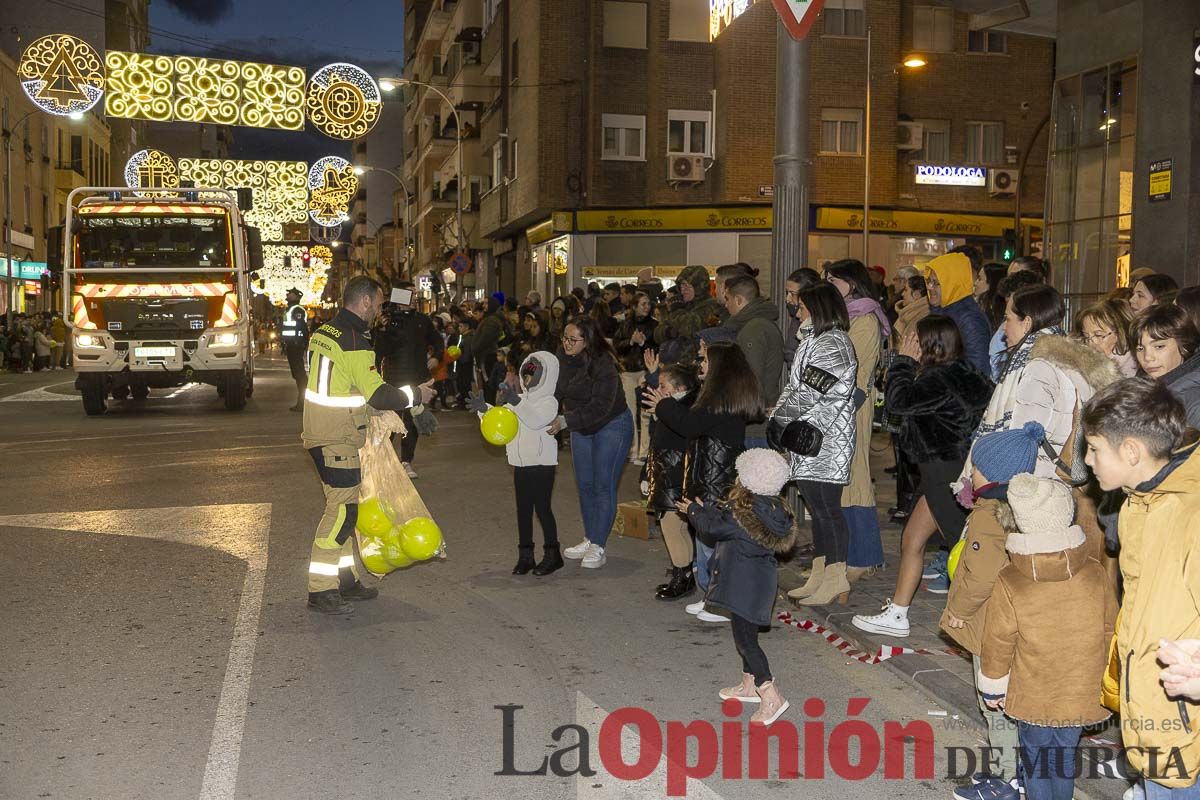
(798, 15)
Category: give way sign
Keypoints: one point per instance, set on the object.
(798, 15)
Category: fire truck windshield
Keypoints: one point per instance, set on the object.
(153, 241)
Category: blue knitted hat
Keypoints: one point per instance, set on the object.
(1001, 455)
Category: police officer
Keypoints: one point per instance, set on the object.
(342, 383)
(407, 349)
(295, 343)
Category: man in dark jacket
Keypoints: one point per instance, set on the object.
(951, 292)
(754, 319)
(696, 310)
(407, 348)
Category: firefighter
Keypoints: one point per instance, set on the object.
(343, 385)
(295, 343)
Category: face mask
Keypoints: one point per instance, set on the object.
(679, 395)
(791, 310)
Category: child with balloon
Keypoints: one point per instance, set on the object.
(519, 422)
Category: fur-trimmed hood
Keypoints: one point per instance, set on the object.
(1097, 371)
(770, 525)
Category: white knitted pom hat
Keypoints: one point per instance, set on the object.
(763, 471)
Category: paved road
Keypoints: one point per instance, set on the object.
(156, 643)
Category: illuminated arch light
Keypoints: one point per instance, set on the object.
(62, 74)
(343, 101)
(278, 277)
(331, 184)
(151, 169)
(280, 188)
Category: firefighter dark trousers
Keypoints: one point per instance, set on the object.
(331, 565)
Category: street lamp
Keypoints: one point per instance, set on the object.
(363, 169)
(912, 61)
(390, 85)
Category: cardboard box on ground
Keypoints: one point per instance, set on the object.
(632, 520)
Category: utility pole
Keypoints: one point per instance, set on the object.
(789, 229)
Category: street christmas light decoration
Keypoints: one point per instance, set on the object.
(204, 90)
(151, 169)
(61, 74)
(331, 184)
(283, 269)
(280, 188)
(343, 101)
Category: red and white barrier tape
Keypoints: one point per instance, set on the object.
(850, 651)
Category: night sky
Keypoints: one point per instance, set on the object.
(306, 33)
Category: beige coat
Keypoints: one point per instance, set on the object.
(865, 336)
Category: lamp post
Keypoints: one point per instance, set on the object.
(909, 62)
(364, 169)
(389, 85)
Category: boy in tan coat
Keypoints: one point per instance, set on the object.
(1046, 633)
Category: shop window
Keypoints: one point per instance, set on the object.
(985, 142)
(841, 130)
(989, 42)
(933, 29)
(845, 18)
(689, 133)
(624, 137)
(639, 250)
(935, 144)
(689, 21)
(624, 24)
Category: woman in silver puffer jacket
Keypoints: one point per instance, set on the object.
(820, 390)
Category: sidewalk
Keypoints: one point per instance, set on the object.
(945, 675)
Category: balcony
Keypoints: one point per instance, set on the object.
(467, 21)
(435, 28)
(469, 86)
(69, 175)
(493, 211)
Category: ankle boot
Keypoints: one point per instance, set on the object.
(772, 704)
(551, 560)
(833, 587)
(682, 583)
(524, 560)
(855, 574)
(743, 692)
(814, 580)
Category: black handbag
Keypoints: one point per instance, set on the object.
(798, 436)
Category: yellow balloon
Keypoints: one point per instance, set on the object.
(454, 351)
(373, 517)
(499, 425)
(393, 550)
(373, 556)
(420, 538)
(955, 555)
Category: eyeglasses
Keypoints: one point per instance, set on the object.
(1098, 337)
(571, 340)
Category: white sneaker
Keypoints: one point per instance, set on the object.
(412, 473)
(578, 551)
(594, 559)
(694, 608)
(708, 616)
(889, 622)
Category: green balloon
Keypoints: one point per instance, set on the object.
(420, 538)
(374, 558)
(499, 425)
(373, 518)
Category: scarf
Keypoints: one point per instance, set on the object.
(1017, 359)
(908, 315)
(862, 306)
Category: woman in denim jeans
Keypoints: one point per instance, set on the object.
(601, 427)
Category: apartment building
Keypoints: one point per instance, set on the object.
(612, 135)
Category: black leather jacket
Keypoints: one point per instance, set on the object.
(714, 443)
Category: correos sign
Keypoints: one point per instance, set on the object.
(935, 175)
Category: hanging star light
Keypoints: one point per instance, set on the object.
(151, 169)
(62, 74)
(331, 184)
(343, 101)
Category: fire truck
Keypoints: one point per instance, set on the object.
(156, 292)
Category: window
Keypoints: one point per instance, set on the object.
(498, 162)
(689, 21)
(490, 9)
(28, 209)
(933, 29)
(639, 249)
(845, 18)
(77, 154)
(840, 130)
(45, 214)
(986, 42)
(624, 138)
(624, 24)
(512, 165)
(936, 144)
(514, 64)
(985, 142)
(689, 133)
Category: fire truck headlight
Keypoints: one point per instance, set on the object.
(86, 341)
(225, 339)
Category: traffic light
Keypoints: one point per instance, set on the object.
(306, 259)
(1008, 245)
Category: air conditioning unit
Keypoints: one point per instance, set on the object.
(1002, 182)
(910, 136)
(685, 169)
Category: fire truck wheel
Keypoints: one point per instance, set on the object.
(235, 391)
(92, 389)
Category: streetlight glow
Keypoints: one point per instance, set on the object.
(914, 62)
(359, 170)
(387, 85)
(75, 115)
